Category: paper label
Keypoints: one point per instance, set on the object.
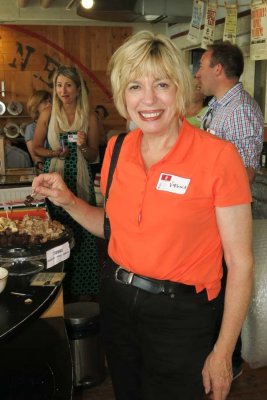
(57, 254)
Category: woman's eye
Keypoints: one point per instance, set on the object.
(163, 85)
(133, 87)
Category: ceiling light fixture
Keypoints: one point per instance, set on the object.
(87, 4)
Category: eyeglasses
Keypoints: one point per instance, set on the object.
(207, 119)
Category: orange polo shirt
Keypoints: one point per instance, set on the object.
(163, 222)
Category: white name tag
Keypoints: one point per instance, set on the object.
(72, 137)
(173, 183)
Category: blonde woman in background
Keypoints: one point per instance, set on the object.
(73, 142)
(39, 100)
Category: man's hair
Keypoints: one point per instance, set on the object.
(229, 56)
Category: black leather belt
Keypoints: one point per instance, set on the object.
(155, 286)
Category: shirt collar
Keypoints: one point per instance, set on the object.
(180, 148)
(227, 97)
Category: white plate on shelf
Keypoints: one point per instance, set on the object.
(2, 108)
(14, 108)
(11, 130)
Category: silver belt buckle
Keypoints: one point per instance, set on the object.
(129, 278)
(116, 274)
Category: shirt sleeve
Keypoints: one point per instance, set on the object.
(29, 132)
(231, 184)
(246, 131)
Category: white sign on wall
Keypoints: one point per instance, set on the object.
(209, 27)
(196, 21)
(258, 41)
(230, 24)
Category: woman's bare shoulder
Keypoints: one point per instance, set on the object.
(46, 113)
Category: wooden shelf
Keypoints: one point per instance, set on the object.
(14, 116)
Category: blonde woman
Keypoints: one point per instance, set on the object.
(179, 198)
(71, 129)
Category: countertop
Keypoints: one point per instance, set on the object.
(15, 314)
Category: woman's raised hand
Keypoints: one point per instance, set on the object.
(54, 188)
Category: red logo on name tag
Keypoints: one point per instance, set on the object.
(166, 177)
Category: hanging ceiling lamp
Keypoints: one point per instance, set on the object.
(87, 4)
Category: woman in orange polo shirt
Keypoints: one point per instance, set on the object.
(179, 198)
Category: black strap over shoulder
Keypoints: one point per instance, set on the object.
(112, 166)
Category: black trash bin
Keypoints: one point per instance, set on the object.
(83, 327)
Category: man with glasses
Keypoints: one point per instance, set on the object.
(233, 114)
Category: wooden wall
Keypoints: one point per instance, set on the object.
(30, 54)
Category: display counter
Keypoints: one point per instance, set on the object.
(34, 343)
(36, 362)
(16, 313)
(17, 176)
(33, 340)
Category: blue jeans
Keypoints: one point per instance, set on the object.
(156, 344)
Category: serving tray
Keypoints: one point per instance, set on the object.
(32, 251)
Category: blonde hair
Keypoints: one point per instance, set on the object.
(82, 106)
(35, 100)
(149, 54)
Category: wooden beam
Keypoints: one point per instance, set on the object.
(46, 3)
(22, 3)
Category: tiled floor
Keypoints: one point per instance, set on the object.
(251, 385)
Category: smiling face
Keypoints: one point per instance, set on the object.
(151, 104)
(66, 90)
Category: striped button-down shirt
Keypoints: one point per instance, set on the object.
(237, 117)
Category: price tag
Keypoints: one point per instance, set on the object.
(57, 254)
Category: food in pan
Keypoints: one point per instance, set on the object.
(29, 230)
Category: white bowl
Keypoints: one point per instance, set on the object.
(3, 278)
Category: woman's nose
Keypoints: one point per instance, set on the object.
(149, 95)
